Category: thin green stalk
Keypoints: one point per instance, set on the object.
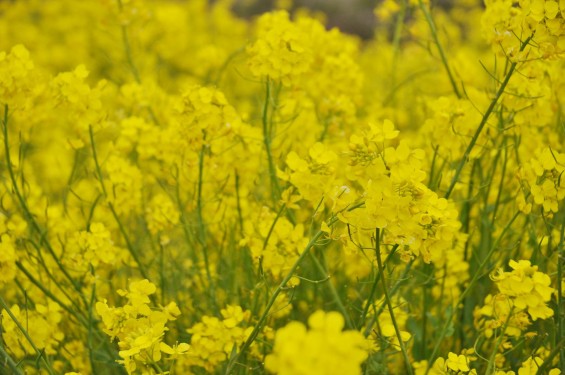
(391, 310)
(91, 322)
(433, 30)
(127, 48)
(428, 271)
(26, 211)
(560, 313)
(501, 184)
(272, 228)
(547, 362)
(483, 122)
(491, 368)
(333, 291)
(81, 319)
(41, 354)
(202, 227)
(271, 302)
(129, 57)
(432, 167)
(131, 61)
(162, 277)
(392, 293)
(51, 277)
(238, 201)
(7, 359)
(476, 276)
(48, 293)
(184, 222)
(267, 138)
(129, 244)
(398, 28)
(123, 231)
(278, 290)
(376, 280)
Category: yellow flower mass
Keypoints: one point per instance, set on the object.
(189, 187)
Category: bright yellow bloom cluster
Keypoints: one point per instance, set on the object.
(454, 364)
(138, 328)
(215, 340)
(92, 248)
(322, 349)
(542, 178)
(396, 199)
(507, 23)
(523, 294)
(529, 288)
(282, 51)
(254, 172)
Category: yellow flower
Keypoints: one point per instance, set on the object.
(457, 362)
(322, 349)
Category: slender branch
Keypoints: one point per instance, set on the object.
(476, 276)
(267, 138)
(389, 304)
(433, 30)
(40, 353)
(279, 289)
(483, 122)
(129, 244)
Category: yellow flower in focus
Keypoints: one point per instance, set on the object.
(457, 362)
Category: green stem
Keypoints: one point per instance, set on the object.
(40, 353)
(91, 323)
(272, 228)
(375, 281)
(547, 362)
(433, 30)
(390, 309)
(491, 368)
(202, 227)
(81, 319)
(398, 28)
(333, 291)
(560, 313)
(278, 290)
(392, 293)
(271, 302)
(7, 359)
(127, 48)
(476, 276)
(267, 138)
(131, 61)
(483, 122)
(26, 211)
(129, 244)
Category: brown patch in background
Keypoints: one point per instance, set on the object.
(350, 16)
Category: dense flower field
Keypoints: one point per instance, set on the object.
(187, 192)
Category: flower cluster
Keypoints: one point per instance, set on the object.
(254, 172)
(138, 328)
(324, 348)
(542, 179)
(522, 295)
(505, 22)
(215, 340)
